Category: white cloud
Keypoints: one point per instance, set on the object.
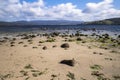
(15, 10)
(13, 1)
(66, 11)
(104, 5)
(101, 10)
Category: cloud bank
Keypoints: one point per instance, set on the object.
(14, 10)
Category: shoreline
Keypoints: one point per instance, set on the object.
(67, 32)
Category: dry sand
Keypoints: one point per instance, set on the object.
(28, 63)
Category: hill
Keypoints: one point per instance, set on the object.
(39, 22)
(112, 21)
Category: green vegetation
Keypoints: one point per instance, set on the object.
(116, 77)
(71, 40)
(112, 21)
(114, 51)
(6, 76)
(71, 75)
(37, 73)
(28, 66)
(53, 76)
(100, 76)
(50, 40)
(41, 41)
(29, 70)
(96, 67)
(82, 78)
(24, 73)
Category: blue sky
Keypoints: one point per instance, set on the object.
(79, 3)
(79, 10)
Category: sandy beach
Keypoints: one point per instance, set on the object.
(39, 57)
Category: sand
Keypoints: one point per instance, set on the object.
(44, 64)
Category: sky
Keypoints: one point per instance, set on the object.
(77, 10)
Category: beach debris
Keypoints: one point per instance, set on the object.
(54, 46)
(44, 48)
(83, 41)
(68, 62)
(25, 36)
(65, 45)
(93, 29)
(34, 47)
(98, 53)
(2, 41)
(54, 34)
(114, 51)
(93, 34)
(25, 46)
(32, 36)
(72, 35)
(39, 45)
(5, 38)
(70, 40)
(102, 47)
(20, 43)
(109, 59)
(53, 75)
(45, 34)
(89, 47)
(78, 39)
(106, 36)
(118, 36)
(14, 39)
(30, 40)
(12, 45)
(94, 52)
(12, 42)
(77, 33)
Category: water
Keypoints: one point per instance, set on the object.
(86, 29)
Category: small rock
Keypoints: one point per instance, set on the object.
(12, 45)
(20, 43)
(65, 45)
(68, 62)
(34, 47)
(54, 46)
(100, 53)
(94, 52)
(44, 48)
(79, 39)
(25, 46)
